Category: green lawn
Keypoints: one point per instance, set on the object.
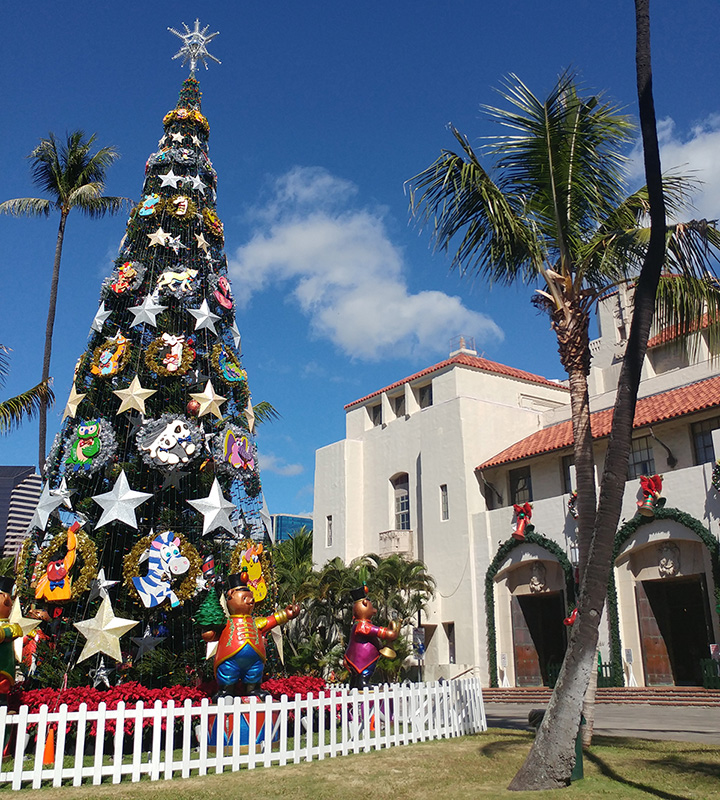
(456, 769)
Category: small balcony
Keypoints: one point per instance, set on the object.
(396, 542)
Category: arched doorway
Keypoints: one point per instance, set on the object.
(665, 605)
(529, 590)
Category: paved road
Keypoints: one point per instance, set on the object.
(678, 723)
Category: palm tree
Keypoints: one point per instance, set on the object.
(73, 177)
(556, 213)
(400, 587)
(15, 410)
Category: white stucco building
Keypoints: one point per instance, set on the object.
(432, 465)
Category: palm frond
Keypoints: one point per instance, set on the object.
(26, 207)
(15, 410)
(4, 363)
(265, 412)
(461, 199)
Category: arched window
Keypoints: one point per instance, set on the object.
(401, 491)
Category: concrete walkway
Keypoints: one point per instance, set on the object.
(677, 723)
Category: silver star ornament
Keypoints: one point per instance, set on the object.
(146, 312)
(100, 317)
(47, 504)
(215, 510)
(204, 318)
(120, 503)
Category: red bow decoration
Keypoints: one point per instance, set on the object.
(524, 515)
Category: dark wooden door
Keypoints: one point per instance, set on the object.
(681, 613)
(539, 636)
(654, 652)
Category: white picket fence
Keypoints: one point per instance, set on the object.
(165, 742)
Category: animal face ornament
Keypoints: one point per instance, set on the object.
(169, 442)
(178, 284)
(251, 563)
(86, 445)
(165, 563)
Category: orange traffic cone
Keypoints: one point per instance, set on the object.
(49, 751)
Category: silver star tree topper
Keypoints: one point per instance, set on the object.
(194, 46)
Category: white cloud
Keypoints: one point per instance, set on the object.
(696, 155)
(345, 274)
(272, 463)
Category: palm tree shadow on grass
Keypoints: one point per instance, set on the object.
(609, 772)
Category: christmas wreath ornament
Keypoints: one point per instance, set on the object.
(183, 155)
(149, 206)
(89, 446)
(126, 277)
(169, 442)
(181, 207)
(170, 355)
(233, 451)
(715, 478)
(170, 557)
(213, 225)
(227, 365)
(64, 568)
(179, 283)
(111, 357)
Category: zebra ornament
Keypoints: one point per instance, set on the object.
(165, 563)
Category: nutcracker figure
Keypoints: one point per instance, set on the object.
(240, 657)
(365, 648)
(8, 632)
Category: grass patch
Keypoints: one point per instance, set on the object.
(469, 767)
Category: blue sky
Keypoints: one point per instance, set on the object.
(319, 113)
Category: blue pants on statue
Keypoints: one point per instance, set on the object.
(246, 666)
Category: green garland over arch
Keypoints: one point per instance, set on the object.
(531, 537)
(623, 534)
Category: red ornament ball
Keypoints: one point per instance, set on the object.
(193, 408)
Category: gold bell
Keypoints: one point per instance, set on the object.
(647, 507)
(387, 652)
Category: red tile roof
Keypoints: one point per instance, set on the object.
(467, 360)
(649, 410)
(673, 332)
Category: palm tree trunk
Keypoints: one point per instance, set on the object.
(551, 758)
(42, 433)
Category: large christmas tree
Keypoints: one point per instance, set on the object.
(152, 486)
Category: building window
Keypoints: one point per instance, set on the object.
(702, 439)
(450, 631)
(425, 397)
(375, 413)
(401, 491)
(520, 486)
(567, 462)
(328, 531)
(641, 460)
(399, 405)
(444, 508)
